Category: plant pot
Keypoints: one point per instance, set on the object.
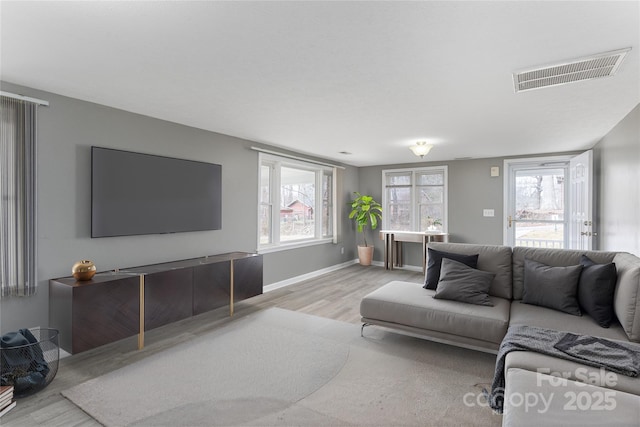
(365, 254)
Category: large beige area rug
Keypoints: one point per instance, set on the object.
(284, 368)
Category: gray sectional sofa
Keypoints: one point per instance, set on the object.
(609, 398)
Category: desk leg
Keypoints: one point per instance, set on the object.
(386, 251)
(399, 258)
(425, 241)
(392, 251)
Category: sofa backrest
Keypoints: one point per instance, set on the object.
(553, 257)
(626, 300)
(492, 258)
(508, 265)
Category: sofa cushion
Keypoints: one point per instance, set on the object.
(595, 290)
(434, 265)
(542, 363)
(534, 399)
(492, 258)
(409, 304)
(626, 300)
(459, 282)
(553, 257)
(552, 287)
(542, 317)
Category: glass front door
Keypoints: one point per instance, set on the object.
(536, 213)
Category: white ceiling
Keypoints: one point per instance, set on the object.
(369, 78)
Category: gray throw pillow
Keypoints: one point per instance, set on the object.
(459, 282)
(552, 287)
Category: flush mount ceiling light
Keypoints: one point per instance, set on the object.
(421, 148)
(592, 67)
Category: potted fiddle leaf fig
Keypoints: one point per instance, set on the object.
(366, 212)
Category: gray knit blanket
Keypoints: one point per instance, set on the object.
(616, 356)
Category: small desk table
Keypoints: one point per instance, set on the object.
(393, 245)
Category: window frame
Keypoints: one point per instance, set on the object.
(275, 164)
(511, 167)
(415, 205)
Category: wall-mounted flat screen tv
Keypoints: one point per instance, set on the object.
(135, 193)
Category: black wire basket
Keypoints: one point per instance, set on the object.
(30, 367)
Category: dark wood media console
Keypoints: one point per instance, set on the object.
(120, 304)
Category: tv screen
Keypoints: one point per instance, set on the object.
(135, 193)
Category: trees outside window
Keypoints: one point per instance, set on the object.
(415, 199)
(296, 201)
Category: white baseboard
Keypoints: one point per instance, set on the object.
(307, 276)
(404, 267)
(313, 274)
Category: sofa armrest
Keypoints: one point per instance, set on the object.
(626, 301)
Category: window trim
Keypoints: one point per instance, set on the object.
(414, 205)
(276, 162)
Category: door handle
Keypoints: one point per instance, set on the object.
(509, 220)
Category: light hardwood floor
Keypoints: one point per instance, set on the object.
(334, 295)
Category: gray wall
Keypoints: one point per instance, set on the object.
(471, 189)
(296, 262)
(617, 179)
(68, 128)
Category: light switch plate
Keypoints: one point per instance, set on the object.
(495, 170)
(488, 212)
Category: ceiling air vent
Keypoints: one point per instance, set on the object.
(592, 67)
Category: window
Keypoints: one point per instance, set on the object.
(17, 202)
(415, 199)
(296, 203)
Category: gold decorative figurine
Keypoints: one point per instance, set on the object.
(83, 270)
